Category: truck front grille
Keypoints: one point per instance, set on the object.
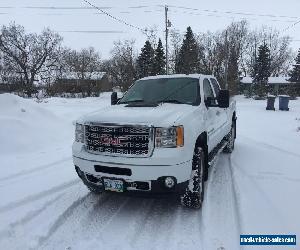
(118, 140)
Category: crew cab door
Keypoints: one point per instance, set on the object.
(221, 113)
(210, 114)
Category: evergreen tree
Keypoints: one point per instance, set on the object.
(295, 77)
(159, 63)
(145, 61)
(261, 71)
(188, 61)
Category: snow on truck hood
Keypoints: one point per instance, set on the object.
(163, 115)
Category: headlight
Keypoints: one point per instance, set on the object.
(169, 137)
(79, 133)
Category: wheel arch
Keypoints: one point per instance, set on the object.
(234, 116)
(202, 141)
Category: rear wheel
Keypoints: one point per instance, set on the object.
(231, 139)
(194, 193)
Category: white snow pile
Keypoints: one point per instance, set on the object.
(26, 126)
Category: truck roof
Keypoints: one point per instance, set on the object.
(176, 76)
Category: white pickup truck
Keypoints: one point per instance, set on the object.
(160, 137)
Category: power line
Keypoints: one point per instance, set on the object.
(60, 8)
(94, 31)
(138, 7)
(213, 12)
(291, 26)
(117, 19)
(233, 12)
(150, 6)
(225, 16)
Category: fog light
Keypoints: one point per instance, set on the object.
(169, 182)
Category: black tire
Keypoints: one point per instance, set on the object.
(194, 193)
(206, 165)
(231, 139)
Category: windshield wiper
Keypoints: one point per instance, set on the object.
(132, 101)
(172, 101)
(142, 104)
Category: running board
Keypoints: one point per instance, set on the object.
(212, 157)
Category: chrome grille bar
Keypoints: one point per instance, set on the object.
(119, 140)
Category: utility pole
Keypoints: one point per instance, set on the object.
(168, 24)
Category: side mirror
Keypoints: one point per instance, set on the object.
(223, 98)
(114, 98)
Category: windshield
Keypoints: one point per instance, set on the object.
(172, 90)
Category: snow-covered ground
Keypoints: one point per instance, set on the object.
(43, 204)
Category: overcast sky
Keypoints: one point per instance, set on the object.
(82, 26)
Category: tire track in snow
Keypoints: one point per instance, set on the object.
(34, 170)
(62, 219)
(102, 211)
(269, 146)
(140, 225)
(235, 194)
(158, 227)
(260, 192)
(131, 221)
(188, 224)
(80, 215)
(220, 225)
(38, 196)
(27, 218)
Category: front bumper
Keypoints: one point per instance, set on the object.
(139, 172)
(145, 187)
(148, 178)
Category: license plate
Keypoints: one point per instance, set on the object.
(113, 185)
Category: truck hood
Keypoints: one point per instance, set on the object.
(163, 115)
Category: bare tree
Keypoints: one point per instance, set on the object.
(281, 55)
(84, 64)
(29, 54)
(121, 68)
(222, 53)
(176, 39)
(235, 42)
(210, 49)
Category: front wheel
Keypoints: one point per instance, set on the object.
(194, 193)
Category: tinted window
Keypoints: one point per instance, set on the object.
(177, 90)
(215, 86)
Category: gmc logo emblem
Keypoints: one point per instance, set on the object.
(112, 141)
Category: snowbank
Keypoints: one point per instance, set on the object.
(25, 126)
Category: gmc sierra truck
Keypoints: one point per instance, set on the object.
(160, 137)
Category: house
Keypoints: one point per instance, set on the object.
(277, 84)
(87, 83)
